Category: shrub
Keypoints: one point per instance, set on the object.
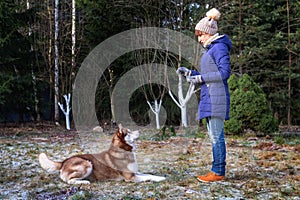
(249, 107)
(165, 133)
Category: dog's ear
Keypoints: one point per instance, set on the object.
(120, 128)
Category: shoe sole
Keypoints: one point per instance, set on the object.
(202, 180)
(208, 181)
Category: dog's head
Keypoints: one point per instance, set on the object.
(124, 138)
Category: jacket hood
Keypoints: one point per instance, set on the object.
(222, 39)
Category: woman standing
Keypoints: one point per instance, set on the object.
(214, 98)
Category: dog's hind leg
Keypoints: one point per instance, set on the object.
(77, 172)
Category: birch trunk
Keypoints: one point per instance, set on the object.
(184, 116)
(182, 101)
(156, 110)
(56, 67)
(67, 111)
(73, 34)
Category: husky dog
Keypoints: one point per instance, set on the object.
(117, 163)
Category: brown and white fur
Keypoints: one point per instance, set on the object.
(116, 163)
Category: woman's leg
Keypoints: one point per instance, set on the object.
(215, 128)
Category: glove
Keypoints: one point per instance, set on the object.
(183, 71)
(194, 79)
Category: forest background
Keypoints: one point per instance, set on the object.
(43, 43)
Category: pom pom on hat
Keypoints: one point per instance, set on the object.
(213, 14)
(209, 23)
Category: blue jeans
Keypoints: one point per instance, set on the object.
(215, 127)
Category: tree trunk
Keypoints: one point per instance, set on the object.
(36, 100)
(182, 101)
(112, 102)
(156, 110)
(48, 54)
(67, 110)
(184, 116)
(240, 35)
(289, 64)
(73, 62)
(56, 67)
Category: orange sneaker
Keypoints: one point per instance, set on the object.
(210, 177)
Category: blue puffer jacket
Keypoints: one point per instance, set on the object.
(215, 71)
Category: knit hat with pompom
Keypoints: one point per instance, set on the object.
(209, 23)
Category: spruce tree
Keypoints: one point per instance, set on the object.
(249, 107)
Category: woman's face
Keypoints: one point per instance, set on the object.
(202, 37)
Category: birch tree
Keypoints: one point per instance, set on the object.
(182, 101)
(153, 93)
(73, 63)
(43, 44)
(56, 64)
(169, 15)
(67, 97)
(67, 110)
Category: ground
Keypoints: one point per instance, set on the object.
(257, 167)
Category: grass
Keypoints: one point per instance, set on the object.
(289, 140)
(253, 171)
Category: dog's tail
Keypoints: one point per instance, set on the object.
(48, 164)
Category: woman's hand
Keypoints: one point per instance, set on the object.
(183, 71)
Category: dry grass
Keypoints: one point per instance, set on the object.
(256, 169)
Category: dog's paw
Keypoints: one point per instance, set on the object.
(158, 178)
(148, 177)
(78, 182)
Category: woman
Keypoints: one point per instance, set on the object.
(214, 98)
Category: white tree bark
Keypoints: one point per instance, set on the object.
(182, 101)
(73, 33)
(156, 109)
(149, 93)
(67, 111)
(56, 67)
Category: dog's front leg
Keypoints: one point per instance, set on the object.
(78, 181)
(148, 177)
(128, 176)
